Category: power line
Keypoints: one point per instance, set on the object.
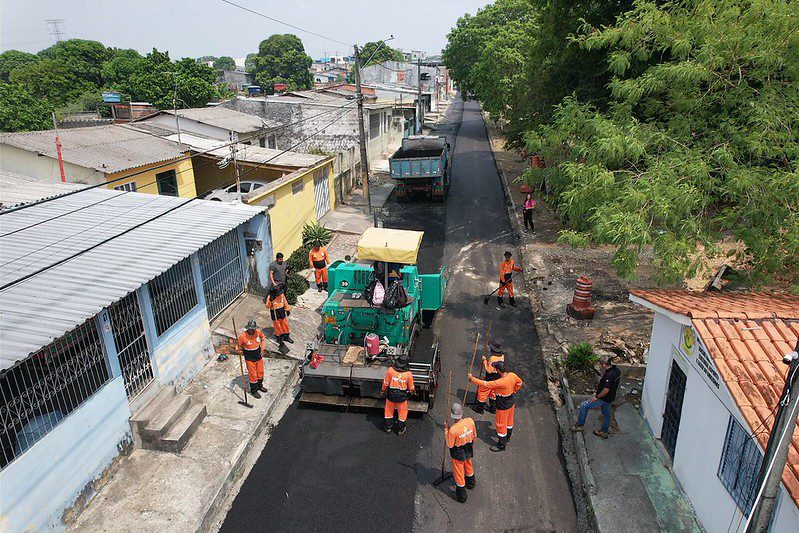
(55, 27)
(285, 23)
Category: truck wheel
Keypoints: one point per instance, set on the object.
(427, 318)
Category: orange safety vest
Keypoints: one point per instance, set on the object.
(505, 388)
(507, 268)
(491, 372)
(320, 259)
(251, 344)
(460, 439)
(399, 385)
(278, 307)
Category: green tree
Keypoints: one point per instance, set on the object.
(225, 63)
(206, 59)
(84, 59)
(52, 80)
(249, 65)
(11, 59)
(282, 59)
(385, 53)
(121, 66)
(22, 111)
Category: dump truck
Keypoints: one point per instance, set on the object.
(422, 164)
(338, 369)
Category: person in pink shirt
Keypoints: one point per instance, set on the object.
(529, 204)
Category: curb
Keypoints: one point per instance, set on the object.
(582, 454)
(578, 471)
(239, 463)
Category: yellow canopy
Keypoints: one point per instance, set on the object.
(392, 245)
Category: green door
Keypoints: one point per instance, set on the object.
(433, 287)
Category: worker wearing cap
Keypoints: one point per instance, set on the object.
(279, 311)
(505, 387)
(485, 396)
(319, 260)
(506, 270)
(460, 441)
(252, 343)
(397, 388)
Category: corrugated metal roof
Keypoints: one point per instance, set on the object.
(222, 117)
(251, 154)
(16, 189)
(42, 308)
(107, 149)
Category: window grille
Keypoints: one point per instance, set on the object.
(129, 187)
(374, 125)
(740, 465)
(131, 344)
(36, 394)
(223, 279)
(167, 183)
(173, 295)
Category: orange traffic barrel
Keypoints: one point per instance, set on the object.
(582, 293)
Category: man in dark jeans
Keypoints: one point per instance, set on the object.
(604, 396)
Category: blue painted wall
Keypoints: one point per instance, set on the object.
(39, 485)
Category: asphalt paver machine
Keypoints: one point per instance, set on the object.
(341, 367)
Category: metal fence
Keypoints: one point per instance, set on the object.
(36, 394)
(223, 277)
(173, 295)
(131, 344)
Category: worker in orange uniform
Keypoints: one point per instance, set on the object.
(506, 270)
(319, 260)
(485, 396)
(460, 441)
(252, 343)
(505, 388)
(397, 387)
(279, 311)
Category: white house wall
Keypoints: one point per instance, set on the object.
(658, 365)
(45, 169)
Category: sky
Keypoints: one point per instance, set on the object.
(211, 27)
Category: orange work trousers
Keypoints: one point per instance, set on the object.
(484, 393)
(320, 274)
(255, 370)
(461, 469)
(504, 421)
(281, 326)
(508, 286)
(401, 407)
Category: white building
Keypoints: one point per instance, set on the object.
(713, 378)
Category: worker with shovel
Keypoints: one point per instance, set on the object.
(505, 388)
(460, 441)
(279, 310)
(397, 388)
(252, 343)
(506, 271)
(319, 260)
(486, 397)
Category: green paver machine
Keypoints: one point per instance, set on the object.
(339, 368)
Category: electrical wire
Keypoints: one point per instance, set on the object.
(273, 19)
(78, 254)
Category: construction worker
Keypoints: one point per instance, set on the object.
(506, 270)
(252, 343)
(397, 387)
(485, 396)
(505, 387)
(460, 441)
(279, 310)
(319, 260)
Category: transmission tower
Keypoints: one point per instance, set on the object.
(55, 28)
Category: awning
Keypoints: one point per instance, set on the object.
(391, 245)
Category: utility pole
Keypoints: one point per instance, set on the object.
(58, 150)
(235, 166)
(776, 455)
(362, 134)
(419, 94)
(175, 109)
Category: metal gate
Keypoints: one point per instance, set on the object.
(673, 412)
(222, 273)
(131, 344)
(321, 189)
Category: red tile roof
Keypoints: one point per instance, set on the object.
(747, 335)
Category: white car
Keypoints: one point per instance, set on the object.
(230, 194)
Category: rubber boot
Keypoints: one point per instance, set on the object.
(510, 432)
(254, 390)
(479, 407)
(388, 425)
(288, 339)
(261, 387)
(500, 445)
(512, 301)
(281, 343)
(459, 493)
(470, 482)
(402, 427)
(500, 301)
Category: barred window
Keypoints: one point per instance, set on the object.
(173, 294)
(128, 187)
(36, 394)
(740, 465)
(374, 125)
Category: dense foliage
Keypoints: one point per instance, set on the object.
(676, 128)
(70, 75)
(281, 59)
(384, 53)
(225, 63)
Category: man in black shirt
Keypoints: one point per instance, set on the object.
(604, 396)
(278, 272)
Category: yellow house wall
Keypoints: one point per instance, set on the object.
(145, 182)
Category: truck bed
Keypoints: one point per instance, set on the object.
(406, 153)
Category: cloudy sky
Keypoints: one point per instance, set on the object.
(212, 27)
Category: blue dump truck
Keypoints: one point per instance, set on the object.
(422, 165)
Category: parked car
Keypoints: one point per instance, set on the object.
(229, 194)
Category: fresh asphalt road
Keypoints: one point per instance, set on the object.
(328, 470)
